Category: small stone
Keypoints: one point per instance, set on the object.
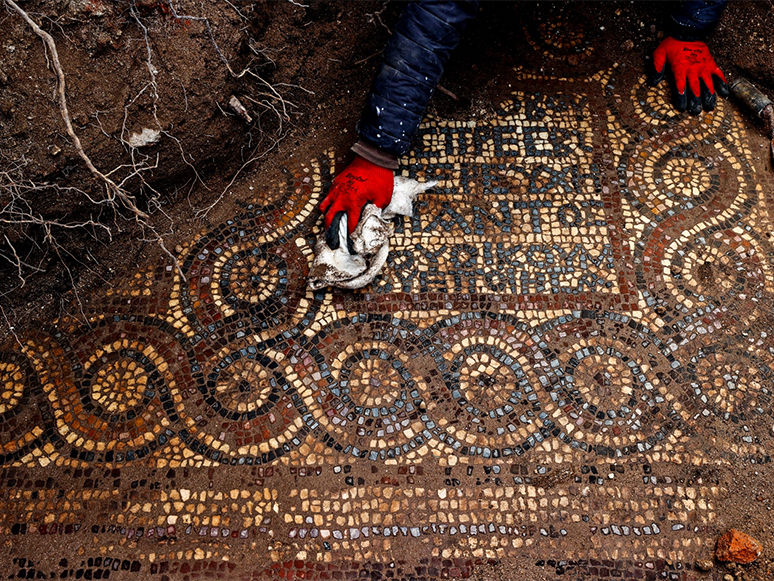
(627, 45)
(728, 577)
(89, 7)
(145, 137)
(237, 107)
(737, 547)
(704, 565)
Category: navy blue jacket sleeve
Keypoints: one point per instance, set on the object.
(414, 58)
(694, 19)
(412, 63)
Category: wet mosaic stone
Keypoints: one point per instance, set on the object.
(583, 297)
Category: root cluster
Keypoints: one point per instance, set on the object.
(124, 198)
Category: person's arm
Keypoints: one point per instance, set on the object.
(412, 64)
(697, 78)
(694, 19)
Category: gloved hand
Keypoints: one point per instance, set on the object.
(691, 65)
(361, 183)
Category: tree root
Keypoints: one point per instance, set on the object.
(115, 192)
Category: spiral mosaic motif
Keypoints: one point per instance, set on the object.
(608, 396)
(244, 411)
(494, 381)
(375, 400)
(709, 268)
(652, 106)
(230, 278)
(115, 405)
(732, 384)
(376, 391)
(25, 416)
(713, 266)
(244, 387)
(483, 371)
(253, 280)
(122, 384)
(114, 398)
(681, 177)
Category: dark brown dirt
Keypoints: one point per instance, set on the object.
(313, 58)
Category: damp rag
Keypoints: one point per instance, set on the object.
(370, 241)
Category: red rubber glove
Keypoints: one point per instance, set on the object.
(694, 69)
(361, 183)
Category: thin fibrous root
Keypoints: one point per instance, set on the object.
(114, 190)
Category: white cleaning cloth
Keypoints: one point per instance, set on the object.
(370, 240)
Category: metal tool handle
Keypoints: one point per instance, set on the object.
(749, 95)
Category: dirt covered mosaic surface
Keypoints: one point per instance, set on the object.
(563, 372)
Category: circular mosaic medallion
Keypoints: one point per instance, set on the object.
(233, 281)
(244, 386)
(559, 34)
(731, 383)
(373, 399)
(11, 386)
(716, 268)
(254, 281)
(484, 370)
(683, 176)
(120, 382)
(654, 106)
(494, 378)
(244, 412)
(366, 379)
(375, 388)
(610, 378)
(253, 277)
(24, 415)
(717, 265)
(115, 389)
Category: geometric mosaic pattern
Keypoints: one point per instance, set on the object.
(568, 340)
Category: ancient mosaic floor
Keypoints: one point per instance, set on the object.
(570, 341)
